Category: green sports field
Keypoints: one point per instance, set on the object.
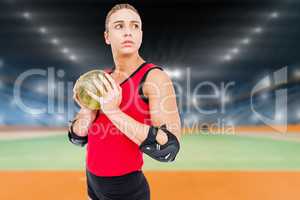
(198, 152)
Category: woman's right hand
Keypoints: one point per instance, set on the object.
(87, 114)
(84, 119)
(84, 112)
(75, 97)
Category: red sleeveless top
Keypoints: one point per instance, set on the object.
(109, 151)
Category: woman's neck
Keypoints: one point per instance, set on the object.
(127, 64)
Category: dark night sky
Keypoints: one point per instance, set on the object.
(177, 34)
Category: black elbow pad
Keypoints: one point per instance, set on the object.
(162, 153)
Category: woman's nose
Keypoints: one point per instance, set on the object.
(127, 31)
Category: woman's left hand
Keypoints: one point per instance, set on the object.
(111, 93)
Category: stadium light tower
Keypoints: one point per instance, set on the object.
(53, 40)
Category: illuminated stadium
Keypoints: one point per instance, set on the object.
(235, 68)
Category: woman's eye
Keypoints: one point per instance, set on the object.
(118, 26)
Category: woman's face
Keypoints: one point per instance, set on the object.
(124, 32)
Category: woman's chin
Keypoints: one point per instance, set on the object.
(127, 51)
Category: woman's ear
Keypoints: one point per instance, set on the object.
(106, 38)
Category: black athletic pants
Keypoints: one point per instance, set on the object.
(132, 186)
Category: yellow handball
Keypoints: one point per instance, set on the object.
(85, 82)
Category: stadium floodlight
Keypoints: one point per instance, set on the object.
(227, 57)
(73, 57)
(274, 15)
(55, 41)
(174, 73)
(177, 73)
(257, 30)
(43, 30)
(65, 50)
(246, 41)
(235, 50)
(194, 101)
(265, 82)
(27, 15)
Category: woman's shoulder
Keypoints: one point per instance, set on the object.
(157, 73)
(157, 76)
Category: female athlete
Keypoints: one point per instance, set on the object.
(138, 115)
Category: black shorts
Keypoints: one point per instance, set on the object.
(132, 186)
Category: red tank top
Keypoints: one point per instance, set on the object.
(109, 151)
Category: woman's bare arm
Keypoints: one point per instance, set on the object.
(163, 110)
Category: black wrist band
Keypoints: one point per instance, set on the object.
(72, 123)
(71, 131)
